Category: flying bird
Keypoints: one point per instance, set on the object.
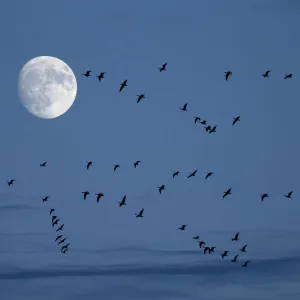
(213, 129)
(206, 249)
(51, 211)
(182, 227)
(197, 119)
(176, 173)
(202, 243)
(225, 253)
(123, 84)
(207, 128)
(140, 97)
(140, 214)
(61, 241)
(288, 76)
(87, 73)
(196, 237)
(45, 198)
(243, 249)
(65, 247)
(116, 167)
(64, 250)
(263, 196)
(289, 195)
(245, 265)
(163, 67)
(43, 164)
(266, 74)
(60, 228)
(193, 174)
(99, 195)
(227, 74)
(236, 237)
(212, 249)
(237, 119)
(235, 259)
(123, 201)
(161, 188)
(208, 174)
(228, 192)
(203, 122)
(11, 182)
(101, 76)
(55, 222)
(89, 164)
(85, 194)
(53, 218)
(184, 107)
(136, 163)
(58, 237)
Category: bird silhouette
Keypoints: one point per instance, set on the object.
(163, 67)
(266, 74)
(208, 174)
(289, 195)
(123, 84)
(202, 243)
(237, 119)
(197, 119)
(184, 108)
(212, 249)
(176, 173)
(45, 198)
(55, 222)
(53, 218)
(245, 265)
(58, 237)
(89, 164)
(116, 167)
(203, 122)
(87, 73)
(236, 237)
(263, 196)
(62, 241)
(235, 259)
(228, 192)
(136, 163)
(43, 164)
(225, 253)
(243, 249)
(60, 228)
(140, 97)
(65, 246)
(196, 237)
(207, 128)
(140, 214)
(51, 211)
(121, 203)
(288, 76)
(85, 194)
(101, 76)
(161, 188)
(227, 74)
(11, 182)
(99, 195)
(182, 227)
(213, 129)
(193, 174)
(206, 249)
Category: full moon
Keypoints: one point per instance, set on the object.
(47, 87)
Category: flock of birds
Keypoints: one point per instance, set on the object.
(61, 240)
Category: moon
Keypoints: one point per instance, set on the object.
(47, 87)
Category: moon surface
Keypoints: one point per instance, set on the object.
(47, 87)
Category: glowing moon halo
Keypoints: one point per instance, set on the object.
(47, 87)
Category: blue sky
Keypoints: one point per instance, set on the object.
(200, 40)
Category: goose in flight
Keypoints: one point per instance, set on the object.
(60, 228)
(136, 163)
(116, 167)
(197, 119)
(123, 84)
(85, 194)
(245, 265)
(53, 218)
(140, 97)
(263, 196)
(266, 74)
(193, 174)
(236, 237)
(228, 192)
(184, 108)
(11, 182)
(89, 164)
(202, 243)
(243, 249)
(62, 241)
(55, 222)
(58, 237)
(163, 67)
(289, 195)
(140, 214)
(227, 74)
(161, 188)
(225, 253)
(288, 76)
(123, 201)
(213, 129)
(235, 259)
(51, 211)
(101, 76)
(87, 73)
(196, 237)
(45, 198)
(182, 227)
(43, 164)
(208, 174)
(176, 173)
(99, 195)
(235, 120)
